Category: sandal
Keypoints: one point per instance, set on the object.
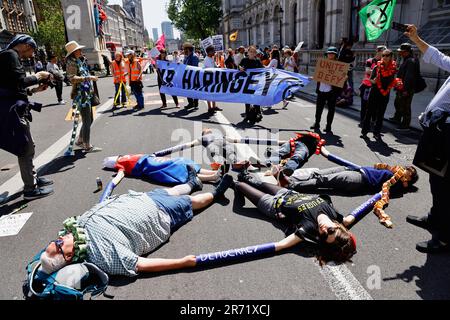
(92, 149)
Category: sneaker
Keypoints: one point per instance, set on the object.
(163, 106)
(249, 179)
(259, 117)
(316, 126)
(92, 149)
(288, 172)
(62, 102)
(43, 182)
(222, 187)
(328, 130)
(37, 193)
(377, 136)
(193, 180)
(189, 106)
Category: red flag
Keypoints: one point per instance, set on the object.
(161, 43)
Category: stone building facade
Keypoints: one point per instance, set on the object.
(16, 16)
(322, 23)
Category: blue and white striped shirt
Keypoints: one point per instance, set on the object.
(440, 105)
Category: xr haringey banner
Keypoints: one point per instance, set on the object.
(264, 87)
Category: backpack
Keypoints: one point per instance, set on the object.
(73, 282)
(420, 83)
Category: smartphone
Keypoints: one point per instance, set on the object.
(399, 27)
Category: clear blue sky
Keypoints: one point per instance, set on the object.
(154, 14)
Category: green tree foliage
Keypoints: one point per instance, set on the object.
(199, 19)
(51, 31)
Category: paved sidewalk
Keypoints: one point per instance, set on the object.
(420, 102)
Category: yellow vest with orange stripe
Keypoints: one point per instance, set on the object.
(119, 72)
(135, 71)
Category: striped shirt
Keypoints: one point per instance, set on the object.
(123, 228)
(440, 105)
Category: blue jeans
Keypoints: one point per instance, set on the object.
(179, 208)
(301, 155)
(123, 99)
(136, 88)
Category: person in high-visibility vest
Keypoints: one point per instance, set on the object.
(135, 76)
(119, 71)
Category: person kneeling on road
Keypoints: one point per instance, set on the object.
(116, 233)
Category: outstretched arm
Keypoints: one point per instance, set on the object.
(287, 242)
(159, 265)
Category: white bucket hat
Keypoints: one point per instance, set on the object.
(73, 46)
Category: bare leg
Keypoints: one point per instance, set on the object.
(201, 201)
(208, 178)
(208, 172)
(270, 188)
(180, 190)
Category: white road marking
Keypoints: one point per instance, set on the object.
(15, 184)
(340, 279)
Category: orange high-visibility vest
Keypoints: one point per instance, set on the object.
(135, 71)
(119, 72)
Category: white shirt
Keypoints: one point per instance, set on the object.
(273, 64)
(176, 59)
(325, 87)
(289, 64)
(209, 62)
(238, 58)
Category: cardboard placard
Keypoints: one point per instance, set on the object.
(207, 42)
(154, 52)
(218, 42)
(331, 72)
(11, 225)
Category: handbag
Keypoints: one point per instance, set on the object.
(95, 99)
(432, 155)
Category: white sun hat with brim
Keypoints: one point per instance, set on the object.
(73, 46)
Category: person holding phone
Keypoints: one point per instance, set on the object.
(436, 123)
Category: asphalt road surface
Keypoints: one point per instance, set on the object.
(387, 265)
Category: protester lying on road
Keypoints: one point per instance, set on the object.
(342, 179)
(115, 234)
(159, 169)
(295, 153)
(310, 218)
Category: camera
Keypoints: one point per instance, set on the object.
(50, 81)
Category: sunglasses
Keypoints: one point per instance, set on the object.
(59, 243)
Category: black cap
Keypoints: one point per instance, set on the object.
(405, 47)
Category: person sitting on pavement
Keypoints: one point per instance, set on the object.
(345, 99)
(115, 234)
(348, 180)
(311, 219)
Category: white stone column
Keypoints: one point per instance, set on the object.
(80, 24)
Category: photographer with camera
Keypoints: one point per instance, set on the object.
(58, 76)
(15, 112)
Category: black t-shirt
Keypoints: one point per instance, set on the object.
(301, 212)
(247, 63)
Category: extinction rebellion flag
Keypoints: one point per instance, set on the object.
(377, 17)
